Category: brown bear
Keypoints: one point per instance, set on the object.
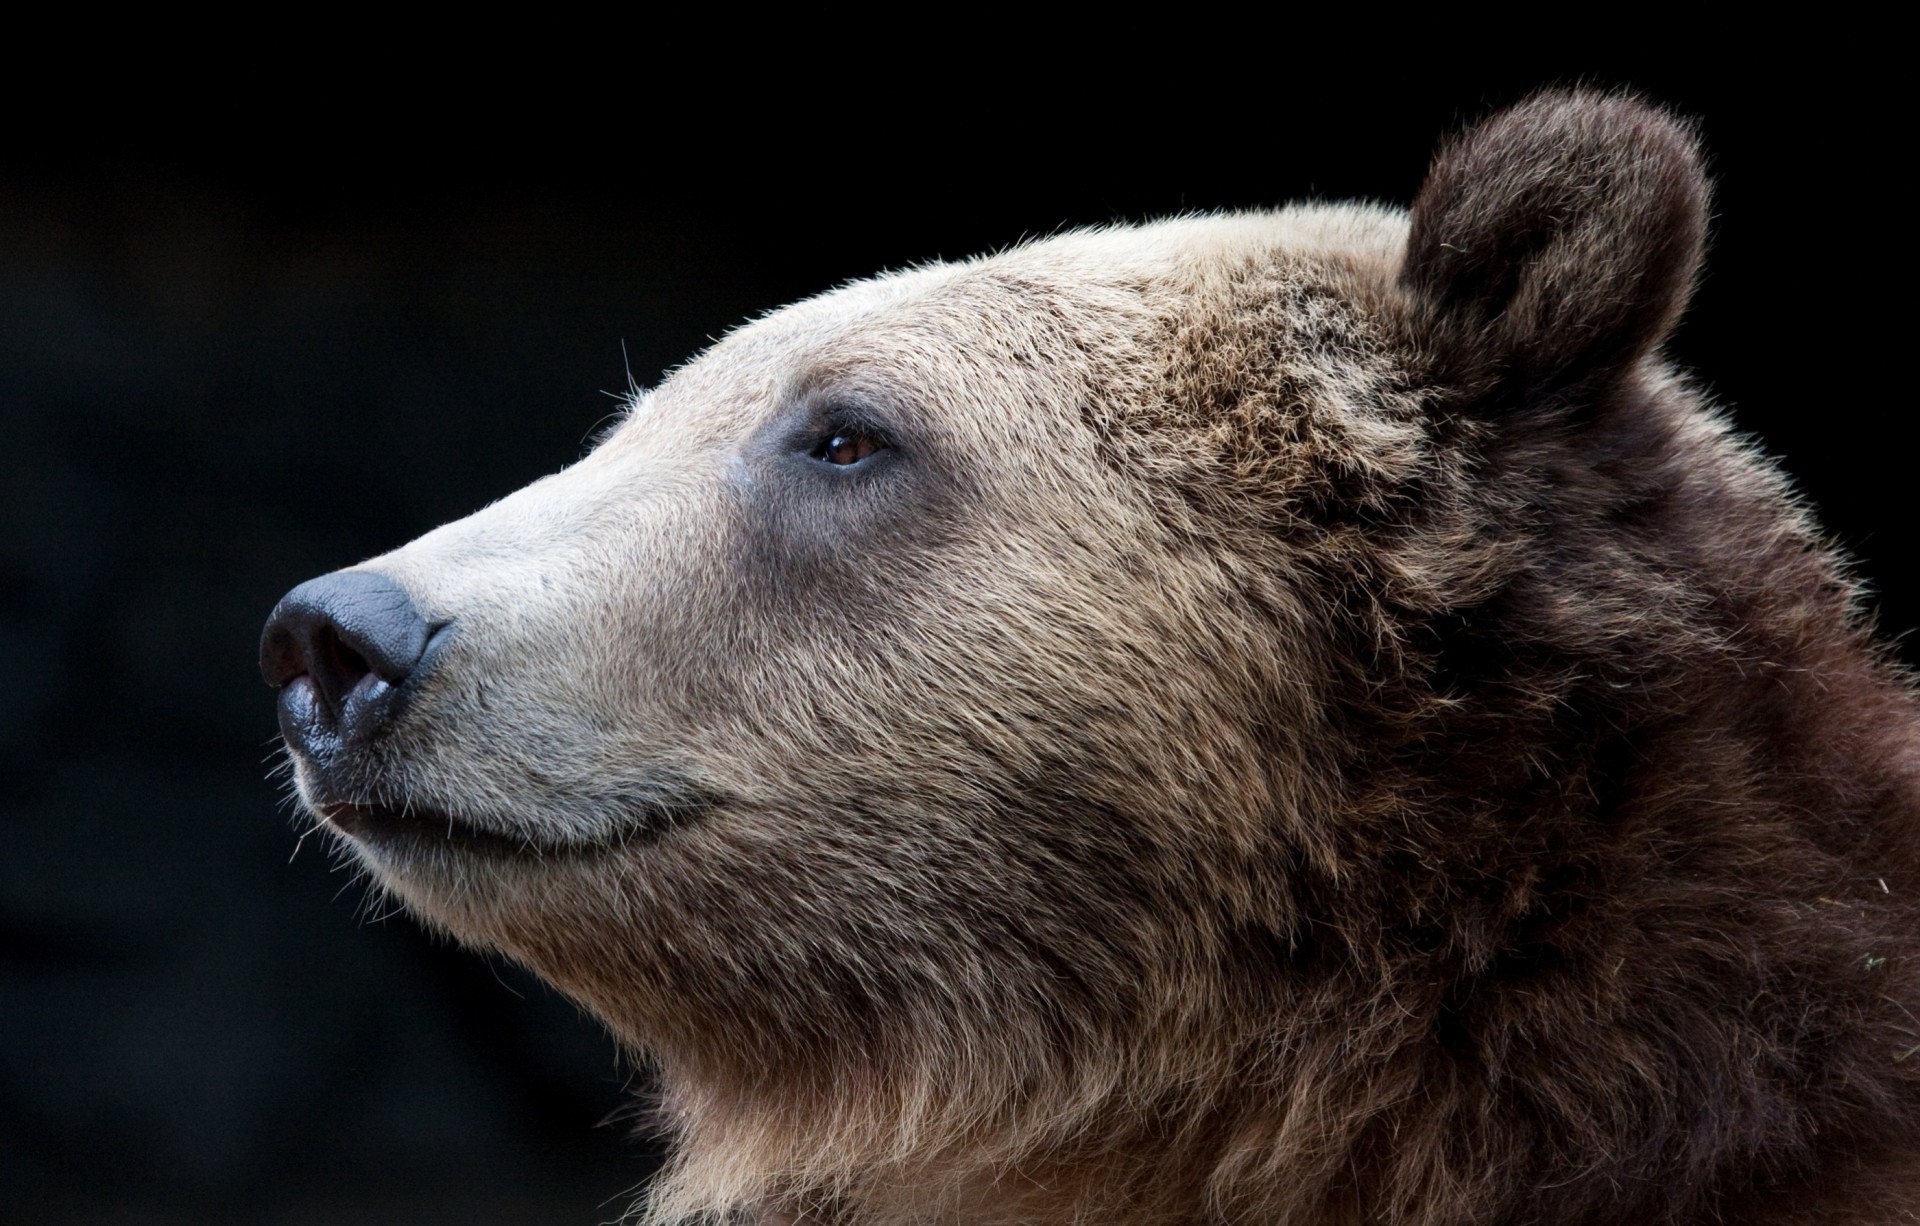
(1300, 717)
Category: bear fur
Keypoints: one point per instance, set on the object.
(1300, 717)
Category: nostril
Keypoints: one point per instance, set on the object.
(336, 669)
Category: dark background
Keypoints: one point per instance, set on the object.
(229, 362)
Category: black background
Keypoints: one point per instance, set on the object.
(248, 341)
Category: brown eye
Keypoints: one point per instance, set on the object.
(848, 447)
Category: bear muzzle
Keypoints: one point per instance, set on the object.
(351, 654)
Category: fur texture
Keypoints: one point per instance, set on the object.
(1304, 718)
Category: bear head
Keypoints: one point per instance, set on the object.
(1258, 691)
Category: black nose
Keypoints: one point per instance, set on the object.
(337, 647)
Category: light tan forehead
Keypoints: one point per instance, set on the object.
(1060, 304)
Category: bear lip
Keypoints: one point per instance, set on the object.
(387, 825)
(384, 826)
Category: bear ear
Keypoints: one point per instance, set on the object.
(1556, 244)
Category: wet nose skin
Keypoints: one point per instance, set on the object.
(337, 647)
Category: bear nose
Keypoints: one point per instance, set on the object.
(336, 647)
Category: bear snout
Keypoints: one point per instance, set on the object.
(339, 648)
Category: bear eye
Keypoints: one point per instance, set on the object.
(845, 447)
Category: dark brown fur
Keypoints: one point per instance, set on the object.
(1615, 922)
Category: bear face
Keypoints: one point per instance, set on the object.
(1287, 717)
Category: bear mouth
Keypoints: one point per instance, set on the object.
(397, 826)
(394, 828)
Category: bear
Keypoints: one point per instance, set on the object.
(1298, 717)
